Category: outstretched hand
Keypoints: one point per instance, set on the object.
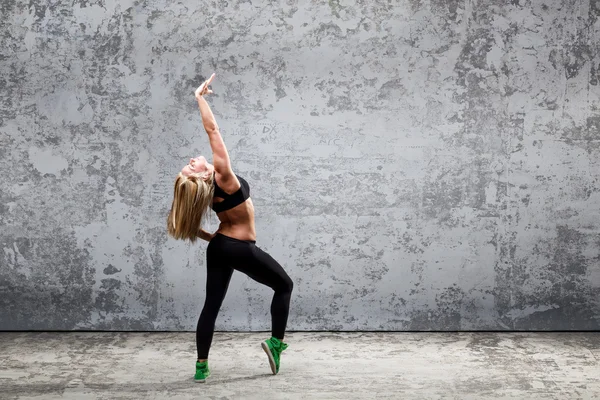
(203, 89)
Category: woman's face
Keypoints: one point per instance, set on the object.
(199, 166)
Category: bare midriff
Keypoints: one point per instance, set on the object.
(238, 222)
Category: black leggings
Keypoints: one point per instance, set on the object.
(223, 255)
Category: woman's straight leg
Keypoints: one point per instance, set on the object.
(218, 276)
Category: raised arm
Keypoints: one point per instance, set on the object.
(220, 154)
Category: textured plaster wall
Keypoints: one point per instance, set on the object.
(414, 164)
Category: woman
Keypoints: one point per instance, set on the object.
(198, 186)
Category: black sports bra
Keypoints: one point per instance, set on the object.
(233, 199)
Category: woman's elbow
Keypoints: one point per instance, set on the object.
(211, 129)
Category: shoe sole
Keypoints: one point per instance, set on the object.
(265, 347)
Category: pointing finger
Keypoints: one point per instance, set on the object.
(208, 82)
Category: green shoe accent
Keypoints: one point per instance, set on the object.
(274, 347)
(202, 371)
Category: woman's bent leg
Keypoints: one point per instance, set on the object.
(264, 269)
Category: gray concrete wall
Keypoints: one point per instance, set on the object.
(414, 164)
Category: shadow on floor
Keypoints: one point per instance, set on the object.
(79, 386)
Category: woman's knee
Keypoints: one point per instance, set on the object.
(210, 309)
(288, 284)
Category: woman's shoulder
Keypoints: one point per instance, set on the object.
(227, 182)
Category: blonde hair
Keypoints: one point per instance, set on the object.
(192, 197)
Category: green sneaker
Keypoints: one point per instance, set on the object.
(202, 371)
(273, 347)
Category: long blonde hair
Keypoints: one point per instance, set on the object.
(192, 197)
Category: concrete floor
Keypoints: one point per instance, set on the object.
(316, 366)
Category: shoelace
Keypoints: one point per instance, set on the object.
(279, 346)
